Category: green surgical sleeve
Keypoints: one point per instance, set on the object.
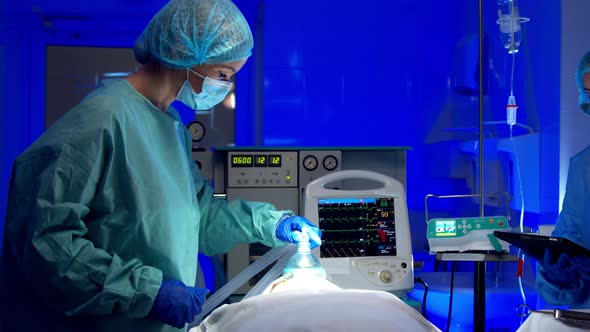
(225, 224)
(52, 193)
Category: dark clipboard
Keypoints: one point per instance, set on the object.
(534, 245)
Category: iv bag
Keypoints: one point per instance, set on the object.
(510, 21)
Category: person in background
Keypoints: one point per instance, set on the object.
(562, 279)
(106, 210)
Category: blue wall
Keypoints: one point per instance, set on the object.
(403, 73)
(334, 73)
(344, 74)
(14, 73)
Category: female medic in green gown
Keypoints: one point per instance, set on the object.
(107, 211)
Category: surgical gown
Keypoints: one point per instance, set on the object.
(573, 223)
(106, 204)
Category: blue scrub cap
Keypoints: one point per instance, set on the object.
(185, 33)
(583, 69)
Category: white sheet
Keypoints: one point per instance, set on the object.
(322, 310)
(538, 322)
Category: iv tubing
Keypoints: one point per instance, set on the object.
(271, 256)
(512, 75)
(521, 223)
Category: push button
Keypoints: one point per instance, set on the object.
(385, 276)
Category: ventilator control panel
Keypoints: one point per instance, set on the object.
(262, 169)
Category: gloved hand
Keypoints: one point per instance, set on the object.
(561, 269)
(288, 225)
(177, 304)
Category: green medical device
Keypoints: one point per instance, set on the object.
(466, 234)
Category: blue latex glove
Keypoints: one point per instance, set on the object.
(288, 225)
(561, 269)
(177, 304)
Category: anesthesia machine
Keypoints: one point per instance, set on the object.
(280, 176)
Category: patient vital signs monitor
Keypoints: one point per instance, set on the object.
(365, 233)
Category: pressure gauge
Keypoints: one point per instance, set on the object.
(330, 163)
(310, 163)
(197, 130)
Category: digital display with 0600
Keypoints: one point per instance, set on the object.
(259, 160)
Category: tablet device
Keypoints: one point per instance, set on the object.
(534, 245)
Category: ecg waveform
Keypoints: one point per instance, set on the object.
(357, 228)
(350, 241)
(349, 207)
(367, 219)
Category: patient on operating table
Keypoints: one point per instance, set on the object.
(303, 300)
(290, 304)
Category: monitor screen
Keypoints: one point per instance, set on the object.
(357, 227)
(446, 228)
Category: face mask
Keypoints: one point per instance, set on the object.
(213, 92)
(584, 102)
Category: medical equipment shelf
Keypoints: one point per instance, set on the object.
(478, 257)
(475, 257)
(479, 282)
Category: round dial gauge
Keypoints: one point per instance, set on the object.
(310, 163)
(197, 130)
(330, 163)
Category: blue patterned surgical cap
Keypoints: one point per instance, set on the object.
(185, 33)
